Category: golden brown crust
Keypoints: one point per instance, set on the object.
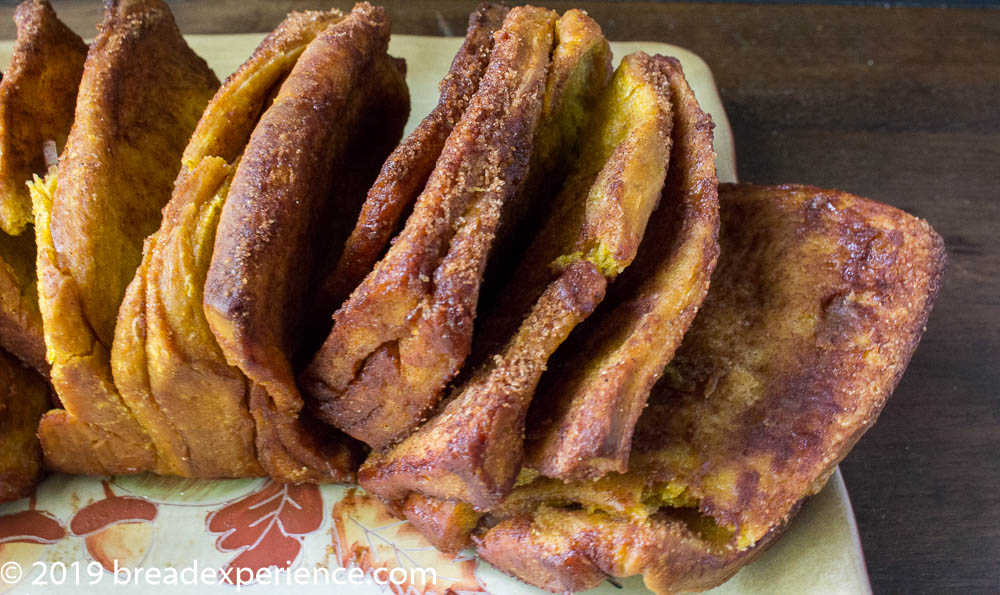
(142, 92)
(570, 550)
(406, 329)
(819, 300)
(405, 172)
(225, 127)
(471, 450)
(586, 408)
(255, 274)
(834, 291)
(24, 397)
(375, 136)
(447, 524)
(37, 97)
(280, 206)
(20, 319)
(140, 97)
(164, 352)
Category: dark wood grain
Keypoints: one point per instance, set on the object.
(898, 104)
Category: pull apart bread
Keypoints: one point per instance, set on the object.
(140, 97)
(471, 450)
(24, 397)
(406, 329)
(817, 304)
(516, 289)
(191, 353)
(37, 97)
(346, 101)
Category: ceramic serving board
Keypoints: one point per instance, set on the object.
(176, 535)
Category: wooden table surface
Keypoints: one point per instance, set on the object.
(898, 104)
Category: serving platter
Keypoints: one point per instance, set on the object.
(76, 531)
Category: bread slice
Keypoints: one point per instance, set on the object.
(819, 300)
(24, 397)
(37, 98)
(586, 406)
(345, 98)
(405, 172)
(141, 94)
(471, 450)
(164, 351)
(407, 329)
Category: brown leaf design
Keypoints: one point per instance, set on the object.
(368, 536)
(267, 527)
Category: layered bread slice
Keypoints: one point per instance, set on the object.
(407, 329)
(819, 300)
(164, 352)
(586, 406)
(141, 94)
(37, 99)
(405, 172)
(471, 450)
(344, 102)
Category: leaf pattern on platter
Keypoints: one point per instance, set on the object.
(367, 535)
(267, 527)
